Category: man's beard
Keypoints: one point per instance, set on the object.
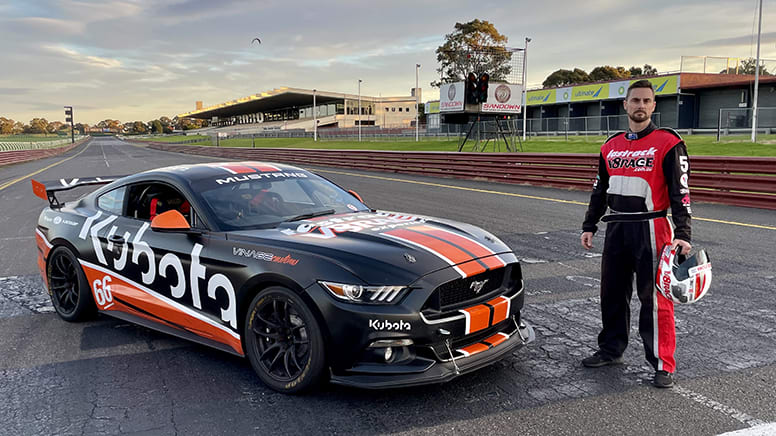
(638, 117)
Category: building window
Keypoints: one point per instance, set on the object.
(393, 109)
(399, 109)
(386, 109)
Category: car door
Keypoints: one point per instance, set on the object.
(162, 278)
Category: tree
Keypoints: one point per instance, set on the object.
(747, 67)
(156, 126)
(475, 47)
(54, 126)
(37, 125)
(82, 128)
(606, 72)
(138, 127)
(566, 77)
(649, 70)
(6, 126)
(18, 128)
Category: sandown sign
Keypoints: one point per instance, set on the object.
(664, 85)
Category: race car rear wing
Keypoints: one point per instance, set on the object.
(47, 190)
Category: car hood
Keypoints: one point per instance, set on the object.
(386, 247)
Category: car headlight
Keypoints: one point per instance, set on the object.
(365, 294)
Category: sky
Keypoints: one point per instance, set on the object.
(143, 59)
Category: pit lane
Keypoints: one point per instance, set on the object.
(107, 376)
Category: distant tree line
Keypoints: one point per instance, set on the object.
(43, 126)
(598, 74)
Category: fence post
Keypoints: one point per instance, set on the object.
(719, 124)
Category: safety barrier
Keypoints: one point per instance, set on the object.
(739, 181)
(35, 145)
(24, 155)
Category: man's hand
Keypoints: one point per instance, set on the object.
(686, 246)
(587, 240)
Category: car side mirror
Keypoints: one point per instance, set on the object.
(171, 221)
(355, 194)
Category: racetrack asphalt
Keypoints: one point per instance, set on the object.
(108, 376)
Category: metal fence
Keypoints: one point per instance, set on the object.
(738, 121)
(592, 125)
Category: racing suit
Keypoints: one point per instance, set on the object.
(639, 176)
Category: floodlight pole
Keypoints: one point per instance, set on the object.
(525, 87)
(359, 110)
(315, 119)
(417, 105)
(757, 76)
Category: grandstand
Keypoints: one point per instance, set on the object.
(292, 109)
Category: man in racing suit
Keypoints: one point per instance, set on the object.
(641, 173)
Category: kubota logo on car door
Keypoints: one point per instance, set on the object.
(170, 267)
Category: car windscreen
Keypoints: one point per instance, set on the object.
(265, 200)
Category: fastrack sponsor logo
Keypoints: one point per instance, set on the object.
(384, 324)
(639, 160)
(632, 153)
(170, 264)
(257, 176)
(330, 227)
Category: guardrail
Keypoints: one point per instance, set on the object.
(739, 181)
(17, 156)
(34, 145)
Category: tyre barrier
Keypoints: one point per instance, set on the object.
(737, 181)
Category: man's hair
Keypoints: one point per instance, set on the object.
(643, 83)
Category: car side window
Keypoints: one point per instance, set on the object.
(147, 200)
(112, 201)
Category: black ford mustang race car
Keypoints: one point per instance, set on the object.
(281, 265)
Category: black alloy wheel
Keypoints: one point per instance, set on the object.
(283, 341)
(68, 287)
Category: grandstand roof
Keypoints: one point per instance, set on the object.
(278, 98)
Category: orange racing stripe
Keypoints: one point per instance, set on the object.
(451, 253)
(476, 249)
(160, 309)
(500, 309)
(477, 318)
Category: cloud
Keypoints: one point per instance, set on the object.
(14, 91)
(94, 61)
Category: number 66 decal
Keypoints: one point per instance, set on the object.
(102, 291)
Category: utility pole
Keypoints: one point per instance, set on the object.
(417, 105)
(359, 110)
(525, 87)
(315, 119)
(757, 76)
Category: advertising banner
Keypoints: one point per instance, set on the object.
(563, 95)
(598, 91)
(432, 107)
(541, 96)
(504, 98)
(619, 89)
(665, 85)
(451, 97)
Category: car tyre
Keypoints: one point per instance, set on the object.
(68, 288)
(283, 341)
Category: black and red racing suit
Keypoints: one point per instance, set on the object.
(639, 176)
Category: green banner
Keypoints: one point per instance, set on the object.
(432, 107)
(590, 92)
(541, 96)
(664, 85)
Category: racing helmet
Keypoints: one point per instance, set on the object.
(685, 281)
